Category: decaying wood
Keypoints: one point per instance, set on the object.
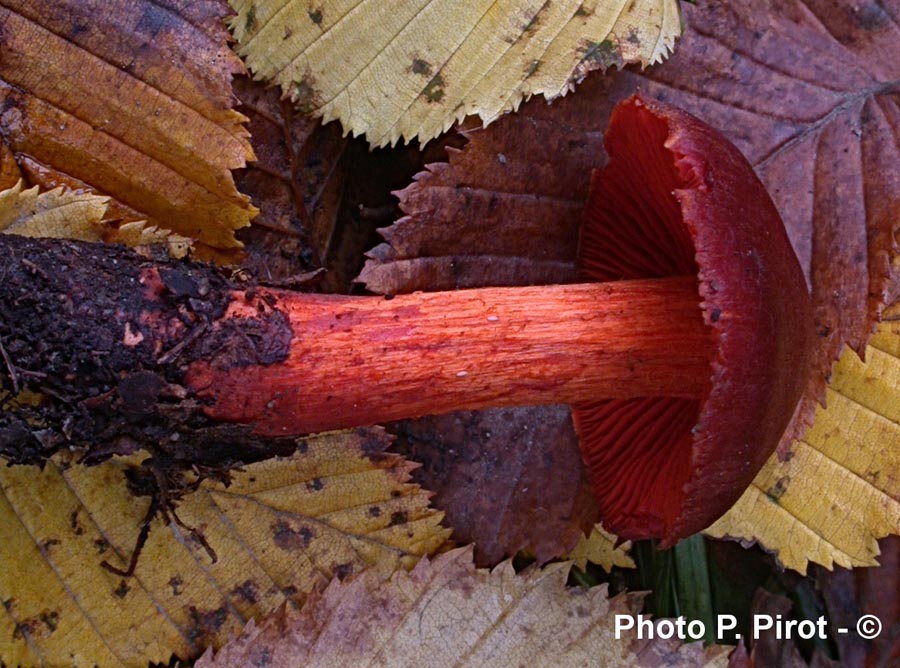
(96, 342)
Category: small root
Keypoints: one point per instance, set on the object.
(139, 545)
(11, 368)
(164, 481)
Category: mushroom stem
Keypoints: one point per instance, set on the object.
(362, 360)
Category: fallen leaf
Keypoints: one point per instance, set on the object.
(411, 70)
(494, 475)
(838, 491)
(10, 174)
(774, 649)
(281, 529)
(808, 93)
(56, 214)
(68, 214)
(446, 613)
(321, 195)
(601, 547)
(142, 236)
(296, 181)
(866, 591)
(133, 100)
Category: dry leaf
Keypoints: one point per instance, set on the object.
(838, 491)
(866, 591)
(412, 69)
(494, 475)
(283, 528)
(57, 214)
(297, 182)
(806, 90)
(142, 236)
(774, 649)
(67, 214)
(132, 99)
(446, 613)
(10, 174)
(601, 548)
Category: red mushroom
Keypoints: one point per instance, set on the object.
(663, 466)
(684, 365)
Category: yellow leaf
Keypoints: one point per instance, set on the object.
(838, 490)
(282, 528)
(67, 214)
(447, 613)
(57, 214)
(410, 69)
(600, 548)
(138, 234)
(132, 99)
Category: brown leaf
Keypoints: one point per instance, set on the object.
(867, 591)
(772, 649)
(494, 473)
(446, 613)
(10, 174)
(321, 195)
(132, 99)
(796, 86)
(296, 181)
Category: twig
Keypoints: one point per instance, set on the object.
(175, 350)
(139, 545)
(12, 369)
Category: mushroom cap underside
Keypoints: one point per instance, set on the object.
(677, 198)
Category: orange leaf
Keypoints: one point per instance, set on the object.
(132, 99)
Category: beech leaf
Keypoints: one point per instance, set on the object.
(281, 529)
(412, 69)
(132, 100)
(446, 613)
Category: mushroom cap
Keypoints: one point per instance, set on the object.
(677, 198)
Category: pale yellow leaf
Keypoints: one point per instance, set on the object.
(411, 69)
(838, 491)
(600, 548)
(138, 234)
(447, 613)
(281, 529)
(71, 214)
(59, 214)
